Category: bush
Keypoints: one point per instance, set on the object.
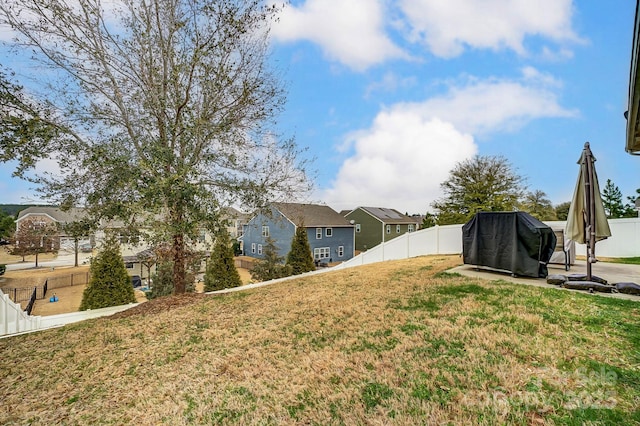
(3, 268)
(163, 281)
(271, 266)
(110, 285)
(300, 259)
(221, 270)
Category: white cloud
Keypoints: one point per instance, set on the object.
(400, 161)
(447, 27)
(350, 32)
(390, 82)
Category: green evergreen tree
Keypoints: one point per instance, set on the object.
(162, 280)
(300, 259)
(221, 270)
(110, 285)
(271, 266)
(612, 200)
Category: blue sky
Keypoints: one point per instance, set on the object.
(389, 95)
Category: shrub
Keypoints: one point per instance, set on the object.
(271, 265)
(3, 268)
(110, 285)
(300, 259)
(221, 271)
(162, 281)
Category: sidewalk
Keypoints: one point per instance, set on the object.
(612, 272)
(63, 259)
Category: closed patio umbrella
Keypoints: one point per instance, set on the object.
(587, 220)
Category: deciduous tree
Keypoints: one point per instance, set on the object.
(78, 230)
(562, 210)
(538, 205)
(482, 183)
(169, 111)
(34, 238)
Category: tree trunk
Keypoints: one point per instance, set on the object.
(178, 250)
(75, 249)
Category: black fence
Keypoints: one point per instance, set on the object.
(31, 294)
(23, 294)
(32, 301)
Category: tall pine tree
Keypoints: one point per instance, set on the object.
(110, 285)
(612, 200)
(221, 270)
(300, 259)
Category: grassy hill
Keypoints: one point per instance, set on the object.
(391, 343)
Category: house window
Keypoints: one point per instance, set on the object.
(357, 227)
(397, 229)
(318, 233)
(129, 265)
(410, 228)
(328, 232)
(321, 253)
(340, 251)
(388, 229)
(253, 247)
(259, 248)
(265, 231)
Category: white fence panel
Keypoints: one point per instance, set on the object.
(13, 319)
(623, 242)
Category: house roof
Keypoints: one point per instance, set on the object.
(386, 215)
(311, 215)
(633, 111)
(54, 213)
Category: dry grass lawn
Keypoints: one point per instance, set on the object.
(391, 343)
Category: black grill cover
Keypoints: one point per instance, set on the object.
(511, 241)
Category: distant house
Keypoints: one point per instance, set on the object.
(46, 215)
(138, 256)
(375, 225)
(331, 236)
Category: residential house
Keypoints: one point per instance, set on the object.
(375, 225)
(46, 215)
(331, 236)
(138, 257)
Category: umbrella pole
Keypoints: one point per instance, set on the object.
(590, 207)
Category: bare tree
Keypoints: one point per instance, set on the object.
(168, 109)
(34, 237)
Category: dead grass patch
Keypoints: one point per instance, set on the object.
(392, 343)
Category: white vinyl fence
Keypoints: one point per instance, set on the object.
(624, 242)
(13, 319)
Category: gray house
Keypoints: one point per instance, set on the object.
(375, 225)
(331, 236)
